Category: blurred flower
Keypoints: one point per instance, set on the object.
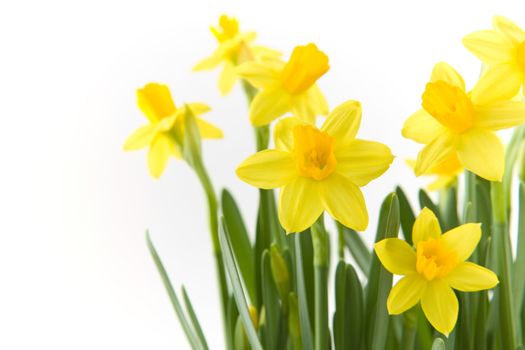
(503, 50)
(446, 172)
(287, 87)
(453, 121)
(437, 265)
(319, 169)
(234, 48)
(165, 124)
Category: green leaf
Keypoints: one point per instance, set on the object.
(438, 344)
(238, 293)
(240, 241)
(357, 247)
(231, 318)
(450, 212)
(191, 148)
(425, 201)
(193, 318)
(194, 341)
(271, 304)
(519, 264)
(304, 318)
(406, 215)
(294, 323)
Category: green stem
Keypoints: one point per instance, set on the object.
(321, 260)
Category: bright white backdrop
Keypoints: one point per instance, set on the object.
(75, 273)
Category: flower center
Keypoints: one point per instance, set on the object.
(229, 27)
(306, 65)
(313, 152)
(449, 105)
(521, 55)
(434, 259)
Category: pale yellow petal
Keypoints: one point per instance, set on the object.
(425, 227)
(444, 72)
(362, 161)
(463, 240)
(440, 306)
(299, 204)
(405, 294)
(140, 138)
(302, 108)
(500, 82)
(283, 133)
(396, 256)
(344, 201)
(343, 122)
(227, 78)
(198, 108)
(317, 100)
(434, 153)
(208, 130)
(210, 62)
(259, 74)
(489, 46)
(422, 127)
(442, 181)
(500, 115)
(159, 154)
(470, 277)
(509, 29)
(481, 152)
(269, 105)
(267, 169)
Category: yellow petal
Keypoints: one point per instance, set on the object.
(463, 239)
(283, 133)
(140, 138)
(211, 61)
(343, 122)
(470, 277)
(159, 154)
(396, 256)
(299, 204)
(267, 169)
(362, 161)
(444, 72)
(500, 115)
(434, 153)
(405, 294)
(198, 108)
(155, 101)
(344, 201)
(509, 29)
(227, 78)
(317, 100)
(209, 131)
(489, 46)
(269, 105)
(425, 227)
(440, 306)
(481, 152)
(303, 109)
(259, 74)
(442, 181)
(422, 127)
(500, 82)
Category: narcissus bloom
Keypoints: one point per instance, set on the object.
(319, 169)
(503, 50)
(234, 48)
(454, 121)
(446, 172)
(437, 266)
(287, 87)
(165, 123)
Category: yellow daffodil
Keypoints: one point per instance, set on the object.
(454, 121)
(234, 48)
(287, 87)
(319, 169)
(446, 172)
(503, 50)
(165, 123)
(436, 267)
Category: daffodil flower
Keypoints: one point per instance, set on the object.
(446, 172)
(165, 123)
(287, 87)
(454, 121)
(503, 50)
(319, 169)
(234, 48)
(436, 267)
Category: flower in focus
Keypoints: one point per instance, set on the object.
(165, 123)
(319, 169)
(287, 87)
(453, 121)
(436, 267)
(446, 172)
(234, 48)
(503, 50)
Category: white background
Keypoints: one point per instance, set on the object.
(74, 269)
